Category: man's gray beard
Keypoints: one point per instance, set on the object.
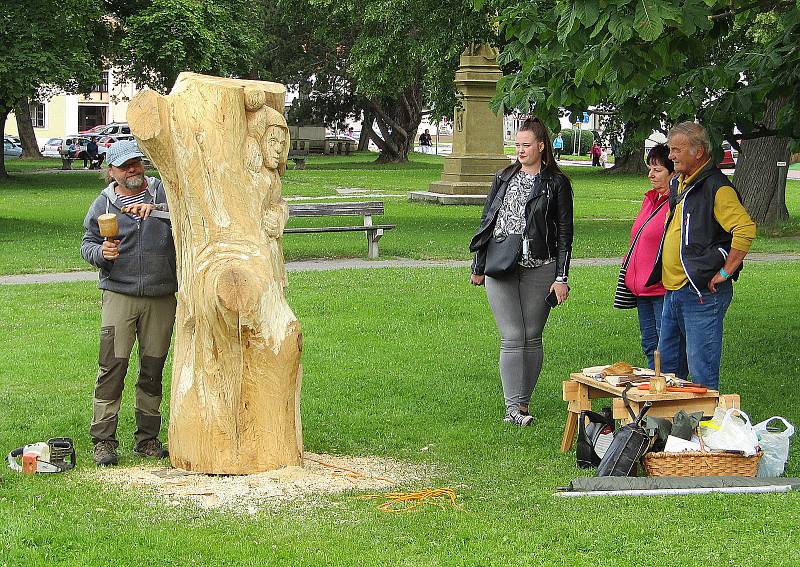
(134, 183)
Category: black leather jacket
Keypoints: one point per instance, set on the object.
(548, 216)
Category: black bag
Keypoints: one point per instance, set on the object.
(629, 445)
(502, 255)
(593, 439)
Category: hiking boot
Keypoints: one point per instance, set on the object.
(519, 418)
(105, 454)
(152, 448)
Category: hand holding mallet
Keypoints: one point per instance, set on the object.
(109, 229)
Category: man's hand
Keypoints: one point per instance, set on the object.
(111, 250)
(562, 291)
(139, 209)
(475, 279)
(735, 258)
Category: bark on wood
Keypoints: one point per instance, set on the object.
(27, 137)
(3, 118)
(397, 120)
(220, 146)
(629, 163)
(760, 182)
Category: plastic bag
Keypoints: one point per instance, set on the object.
(729, 432)
(775, 445)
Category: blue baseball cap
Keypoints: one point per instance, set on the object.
(122, 151)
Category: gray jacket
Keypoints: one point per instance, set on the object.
(146, 262)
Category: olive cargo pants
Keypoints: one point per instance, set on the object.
(125, 319)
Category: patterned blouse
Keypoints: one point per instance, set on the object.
(511, 217)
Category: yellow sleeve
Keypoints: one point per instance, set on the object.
(732, 216)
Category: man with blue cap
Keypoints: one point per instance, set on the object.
(138, 283)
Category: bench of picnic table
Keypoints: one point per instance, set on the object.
(364, 209)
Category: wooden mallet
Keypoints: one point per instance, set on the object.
(658, 383)
(108, 225)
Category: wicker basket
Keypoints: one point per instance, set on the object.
(697, 463)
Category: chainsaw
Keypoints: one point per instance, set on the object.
(55, 456)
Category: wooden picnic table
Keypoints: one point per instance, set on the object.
(580, 390)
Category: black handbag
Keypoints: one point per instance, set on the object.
(623, 297)
(595, 438)
(630, 444)
(502, 255)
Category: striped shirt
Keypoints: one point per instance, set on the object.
(128, 200)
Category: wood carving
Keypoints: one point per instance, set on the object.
(221, 146)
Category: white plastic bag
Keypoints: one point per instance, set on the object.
(775, 445)
(729, 432)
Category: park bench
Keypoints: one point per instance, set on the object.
(363, 209)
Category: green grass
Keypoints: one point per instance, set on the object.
(41, 214)
(397, 360)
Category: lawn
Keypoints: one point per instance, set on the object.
(41, 214)
(395, 361)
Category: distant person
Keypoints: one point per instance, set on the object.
(603, 156)
(350, 133)
(530, 206)
(646, 234)
(708, 234)
(138, 282)
(595, 153)
(91, 155)
(558, 146)
(425, 142)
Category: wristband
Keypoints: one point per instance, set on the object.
(561, 279)
(724, 274)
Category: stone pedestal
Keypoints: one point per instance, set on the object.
(477, 132)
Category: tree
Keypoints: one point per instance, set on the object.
(155, 40)
(397, 58)
(57, 44)
(654, 64)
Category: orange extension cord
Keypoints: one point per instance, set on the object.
(397, 501)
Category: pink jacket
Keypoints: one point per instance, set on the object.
(644, 253)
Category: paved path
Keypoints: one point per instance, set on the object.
(359, 264)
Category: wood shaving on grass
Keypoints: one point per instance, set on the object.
(320, 475)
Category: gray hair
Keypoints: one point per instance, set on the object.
(695, 133)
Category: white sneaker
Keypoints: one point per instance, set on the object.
(516, 417)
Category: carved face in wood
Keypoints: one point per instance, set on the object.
(274, 146)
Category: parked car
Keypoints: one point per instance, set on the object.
(52, 146)
(10, 149)
(115, 128)
(104, 142)
(13, 139)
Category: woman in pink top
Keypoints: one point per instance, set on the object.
(653, 216)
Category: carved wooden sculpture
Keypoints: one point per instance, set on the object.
(220, 146)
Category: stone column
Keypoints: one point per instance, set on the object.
(477, 132)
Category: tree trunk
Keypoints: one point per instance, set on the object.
(366, 128)
(220, 146)
(629, 163)
(30, 147)
(397, 121)
(761, 183)
(3, 118)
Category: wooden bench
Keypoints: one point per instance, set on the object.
(363, 209)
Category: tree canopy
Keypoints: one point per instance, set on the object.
(652, 64)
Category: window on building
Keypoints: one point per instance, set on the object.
(103, 86)
(37, 114)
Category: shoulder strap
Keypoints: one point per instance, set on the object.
(639, 232)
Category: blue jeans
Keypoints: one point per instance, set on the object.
(698, 322)
(649, 309)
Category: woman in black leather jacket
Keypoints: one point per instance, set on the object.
(533, 198)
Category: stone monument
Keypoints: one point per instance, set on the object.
(477, 133)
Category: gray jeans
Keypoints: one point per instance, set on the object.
(517, 303)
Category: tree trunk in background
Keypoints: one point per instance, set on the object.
(629, 163)
(30, 147)
(235, 404)
(366, 128)
(397, 121)
(3, 118)
(761, 183)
